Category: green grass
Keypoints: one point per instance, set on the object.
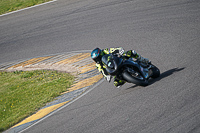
(13, 5)
(23, 93)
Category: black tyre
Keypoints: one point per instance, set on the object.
(131, 79)
(156, 72)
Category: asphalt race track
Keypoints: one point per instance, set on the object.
(167, 32)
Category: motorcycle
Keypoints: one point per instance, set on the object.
(130, 70)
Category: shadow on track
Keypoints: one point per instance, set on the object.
(165, 74)
(162, 75)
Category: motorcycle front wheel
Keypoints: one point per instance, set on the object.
(156, 72)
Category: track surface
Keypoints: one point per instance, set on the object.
(167, 32)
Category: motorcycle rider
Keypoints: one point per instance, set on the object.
(97, 54)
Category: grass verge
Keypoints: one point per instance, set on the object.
(13, 5)
(23, 92)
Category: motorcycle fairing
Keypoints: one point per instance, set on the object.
(114, 64)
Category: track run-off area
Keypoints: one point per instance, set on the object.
(166, 32)
(76, 63)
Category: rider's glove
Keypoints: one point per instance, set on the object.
(144, 60)
(108, 78)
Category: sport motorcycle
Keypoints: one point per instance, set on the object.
(130, 70)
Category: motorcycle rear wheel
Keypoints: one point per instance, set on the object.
(131, 79)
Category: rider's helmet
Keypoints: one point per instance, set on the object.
(96, 54)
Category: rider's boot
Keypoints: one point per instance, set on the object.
(118, 83)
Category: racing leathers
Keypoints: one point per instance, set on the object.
(119, 51)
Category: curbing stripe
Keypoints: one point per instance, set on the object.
(41, 113)
(84, 83)
(73, 59)
(30, 62)
(87, 67)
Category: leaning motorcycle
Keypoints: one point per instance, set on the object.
(129, 70)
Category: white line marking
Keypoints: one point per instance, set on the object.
(63, 106)
(27, 8)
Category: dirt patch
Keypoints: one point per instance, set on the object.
(57, 67)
